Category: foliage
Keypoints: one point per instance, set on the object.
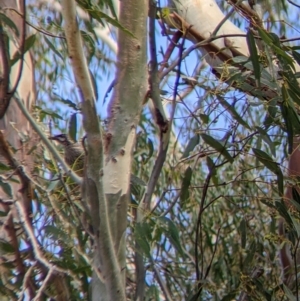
(215, 206)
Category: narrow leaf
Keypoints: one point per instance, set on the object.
(231, 110)
(230, 296)
(186, 182)
(295, 204)
(67, 102)
(296, 56)
(142, 233)
(193, 142)
(204, 118)
(289, 293)
(6, 188)
(73, 127)
(271, 113)
(28, 44)
(6, 247)
(286, 114)
(268, 162)
(47, 112)
(265, 36)
(54, 232)
(243, 233)
(283, 211)
(8, 22)
(136, 180)
(150, 150)
(250, 254)
(53, 48)
(4, 167)
(264, 135)
(212, 170)
(254, 56)
(99, 15)
(217, 146)
(296, 195)
(173, 234)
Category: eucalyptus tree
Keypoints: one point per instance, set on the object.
(185, 141)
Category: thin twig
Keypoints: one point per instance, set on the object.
(175, 200)
(35, 244)
(223, 21)
(213, 254)
(167, 294)
(293, 3)
(199, 230)
(26, 279)
(47, 142)
(43, 286)
(170, 49)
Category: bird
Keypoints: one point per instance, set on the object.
(73, 153)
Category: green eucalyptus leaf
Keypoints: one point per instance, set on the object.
(27, 45)
(185, 184)
(9, 22)
(4, 167)
(6, 188)
(231, 110)
(254, 56)
(193, 142)
(217, 146)
(53, 48)
(100, 16)
(171, 231)
(296, 195)
(6, 248)
(243, 233)
(72, 131)
(143, 236)
(268, 162)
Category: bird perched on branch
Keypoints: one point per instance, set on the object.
(73, 153)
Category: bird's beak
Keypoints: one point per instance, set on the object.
(52, 138)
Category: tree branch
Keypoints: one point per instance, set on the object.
(47, 142)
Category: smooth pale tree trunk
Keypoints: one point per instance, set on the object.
(124, 112)
(107, 179)
(206, 20)
(205, 16)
